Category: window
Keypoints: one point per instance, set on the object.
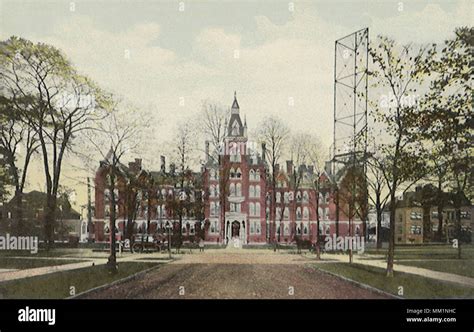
(278, 197)
(235, 129)
(251, 191)
(252, 174)
(235, 207)
(238, 190)
(305, 213)
(232, 173)
(257, 191)
(254, 209)
(298, 196)
(107, 195)
(326, 214)
(305, 229)
(238, 174)
(298, 213)
(232, 189)
(415, 229)
(213, 174)
(287, 213)
(305, 197)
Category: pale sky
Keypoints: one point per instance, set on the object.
(155, 56)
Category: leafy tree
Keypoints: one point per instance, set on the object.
(398, 73)
(15, 135)
(446, 117)
(61, 104)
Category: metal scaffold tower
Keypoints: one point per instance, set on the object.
(349, 149)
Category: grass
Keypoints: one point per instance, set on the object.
(30, 263)
(426, 252)
(464, 267)
(58, 285)
(414, 287)
(59, 252)
(153, 259)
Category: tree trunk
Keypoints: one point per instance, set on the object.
(18, 214)
(458, 227)
(337, 212)
(50, 219)
(440, 213)
(391, 243)
(426, 222)
(112, 261)
(378, 207)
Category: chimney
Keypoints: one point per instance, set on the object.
(289, 167)
(328, 168)
(264, 151)
(207, 151)
(311, 169)
(163, 164)
(135, 166)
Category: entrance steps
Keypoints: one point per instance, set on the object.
(234, 244)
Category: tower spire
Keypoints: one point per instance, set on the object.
(235, 104)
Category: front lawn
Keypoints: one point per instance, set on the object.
(414, 287)
(30, 263)
(464, 267)
(58, 285)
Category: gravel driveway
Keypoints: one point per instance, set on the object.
(240, 275)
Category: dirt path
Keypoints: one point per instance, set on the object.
(236, 275)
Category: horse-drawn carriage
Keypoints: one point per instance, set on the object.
(147, 242)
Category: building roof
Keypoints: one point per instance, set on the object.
(235, 120)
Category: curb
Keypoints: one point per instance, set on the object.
(361, 285)
(114, 283)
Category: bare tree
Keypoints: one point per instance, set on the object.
(273, 132)
(378, 194)
(112, 138)
(184, 145)
(305, 151)
(213, 122)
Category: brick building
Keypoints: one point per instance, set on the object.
(235, 193)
